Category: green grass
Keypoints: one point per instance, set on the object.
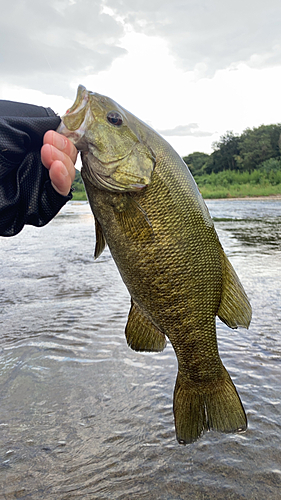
(79, 195)
(235, 184)
(226, 184)
(239, 191)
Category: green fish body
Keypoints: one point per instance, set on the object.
(149, 211)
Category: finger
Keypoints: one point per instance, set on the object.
(62, 143)
(50, 154)
(46, 155)
(60, 177)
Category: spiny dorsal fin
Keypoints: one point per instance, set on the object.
(100, 240)
(235, 309)
(141, 334)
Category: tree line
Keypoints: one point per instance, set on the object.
(257, 148)
(251, 160)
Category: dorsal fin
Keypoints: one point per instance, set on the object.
(141, 334)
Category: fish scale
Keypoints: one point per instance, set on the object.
(150, 213)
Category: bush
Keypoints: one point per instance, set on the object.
(231, 183)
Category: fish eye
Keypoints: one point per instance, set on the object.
(115, 118)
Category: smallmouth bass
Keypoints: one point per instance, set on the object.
(149, 211)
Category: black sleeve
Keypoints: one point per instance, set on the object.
(26, 193)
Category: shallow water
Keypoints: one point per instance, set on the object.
(84, 417)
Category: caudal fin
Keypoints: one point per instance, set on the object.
(214, 406)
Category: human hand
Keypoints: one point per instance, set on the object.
(58, 155)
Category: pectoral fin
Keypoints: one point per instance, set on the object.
(141, 334)
(100, 240)
(133, 219)
(235, 309)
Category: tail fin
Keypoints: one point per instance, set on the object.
(208, 406)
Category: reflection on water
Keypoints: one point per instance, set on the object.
(84, 417)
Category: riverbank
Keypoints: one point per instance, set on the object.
(227, 184)
(276, 197)
(226, 195)
(232, 184)
(81, 196)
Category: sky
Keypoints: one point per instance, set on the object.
(191, 69)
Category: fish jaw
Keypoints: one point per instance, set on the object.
(74, 122)
(80, 102)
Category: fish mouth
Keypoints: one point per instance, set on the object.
(75, 136)
(82, 97)
(73, 122)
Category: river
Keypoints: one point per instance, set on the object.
(82, 416)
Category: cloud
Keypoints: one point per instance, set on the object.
(45, 44)
(207, 36)
(186, 130)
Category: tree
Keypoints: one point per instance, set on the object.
(196, 162)
(78, 183)
(245, 153)
(258, 145)
(225, 152)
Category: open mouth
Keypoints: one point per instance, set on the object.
(80, 102)
(73, 124)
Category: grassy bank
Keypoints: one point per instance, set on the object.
(210, 192)
(239, 191)
(226, 184)
(79, 195)
(233, 184)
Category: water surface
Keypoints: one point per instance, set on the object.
(84, 417)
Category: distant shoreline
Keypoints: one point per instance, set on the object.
(248, 198)
(229, 198)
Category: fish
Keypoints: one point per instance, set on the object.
(149, 211)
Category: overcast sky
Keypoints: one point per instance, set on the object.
(192, 69)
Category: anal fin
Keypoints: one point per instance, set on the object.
(141, 334)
